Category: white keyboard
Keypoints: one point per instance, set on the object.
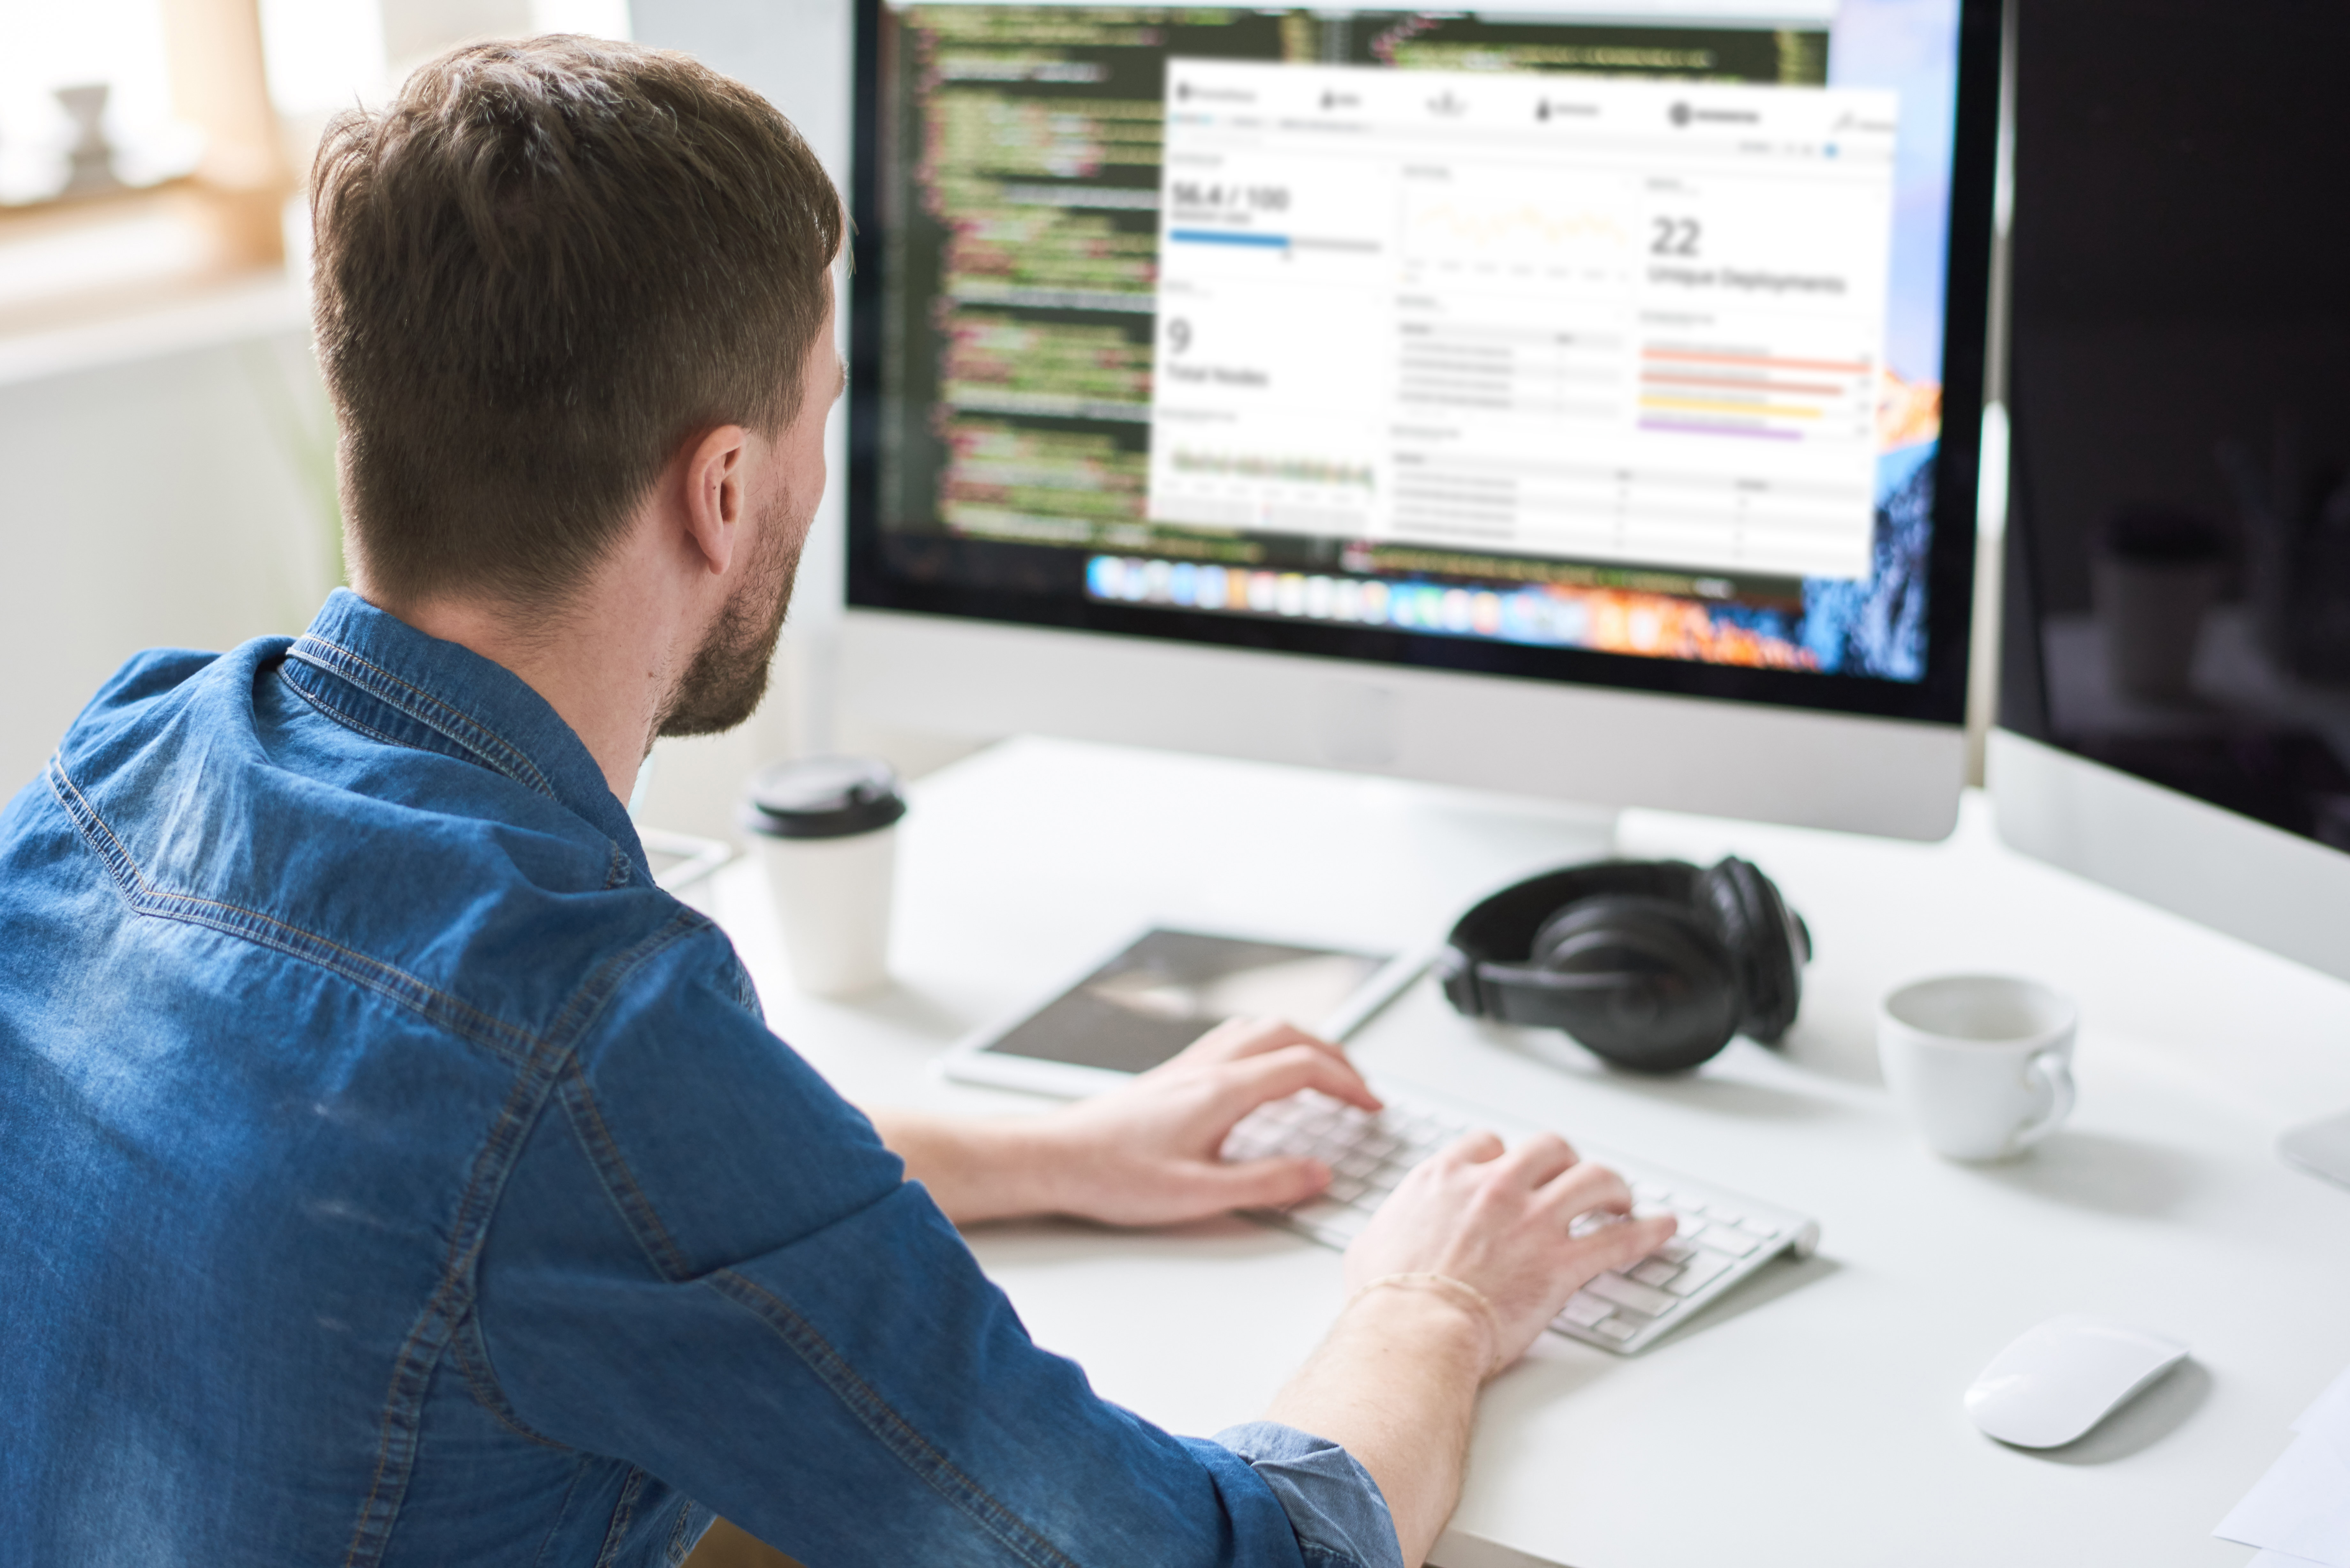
(1723, 1236)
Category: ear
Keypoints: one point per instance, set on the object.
(716, 482)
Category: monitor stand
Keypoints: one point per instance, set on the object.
(2320, 1148)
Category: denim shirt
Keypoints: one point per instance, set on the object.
(394, 1176)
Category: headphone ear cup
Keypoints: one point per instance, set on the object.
(1767, 943)
(1668, 997)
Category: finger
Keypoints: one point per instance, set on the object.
(1255, 1080)
(1264, 1035)
(1263, 1183)
(1540, 1160)
(1236, 1039)
(1620, 1245)
(1582, 1189)
(1226, 1040)
(1475, 1148)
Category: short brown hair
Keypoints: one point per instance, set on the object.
(540, 269)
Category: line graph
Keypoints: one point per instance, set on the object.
(1489, 216)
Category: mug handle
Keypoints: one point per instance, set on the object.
(2049, 1069)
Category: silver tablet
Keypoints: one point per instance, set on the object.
(1164, 989)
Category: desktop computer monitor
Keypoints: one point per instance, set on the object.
(2175, 702)
(1570, 397)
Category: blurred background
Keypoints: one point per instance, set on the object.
(166, 447)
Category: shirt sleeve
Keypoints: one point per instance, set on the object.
(706, 1263)
(1337, 1511)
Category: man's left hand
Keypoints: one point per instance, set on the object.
(1148, 1152)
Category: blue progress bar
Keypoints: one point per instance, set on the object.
(1225, 237)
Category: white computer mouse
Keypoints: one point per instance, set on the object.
(2058, 1380)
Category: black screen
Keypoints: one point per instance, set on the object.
(2178, 587)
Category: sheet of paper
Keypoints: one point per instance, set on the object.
(2301, 1508)
(2280, 1560)
(2328, 1419)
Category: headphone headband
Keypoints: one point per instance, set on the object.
(1653, 964)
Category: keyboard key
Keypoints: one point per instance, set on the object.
(1707, 1268)
(1330, 1219)
(1633, 1296)
(1658, 1273)
(1369, 1154)
(1583, 1309)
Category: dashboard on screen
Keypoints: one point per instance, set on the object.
(1609, 348)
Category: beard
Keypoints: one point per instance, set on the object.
(727, 678)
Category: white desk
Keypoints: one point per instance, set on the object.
(1812, 1417)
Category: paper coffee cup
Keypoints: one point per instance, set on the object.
(825, 831)
(1981, 1063)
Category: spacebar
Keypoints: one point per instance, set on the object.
(1330, 1219)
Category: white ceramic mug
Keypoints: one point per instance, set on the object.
(1983, 1064)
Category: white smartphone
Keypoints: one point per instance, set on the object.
(1164, 989)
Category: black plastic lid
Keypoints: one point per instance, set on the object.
(823, 797)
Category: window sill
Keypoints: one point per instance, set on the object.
(196, 314)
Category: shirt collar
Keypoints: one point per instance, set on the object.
(454, 701)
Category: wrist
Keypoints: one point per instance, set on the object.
(1025, 1161)
(979, 1167)
(1041, 1162)
(1430, 1316)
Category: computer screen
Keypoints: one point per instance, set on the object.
(2181, 511)
(1609, 347)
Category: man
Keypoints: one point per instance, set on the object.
(395, 1176)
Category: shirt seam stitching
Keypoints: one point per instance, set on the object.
(493, 1034)
(333, 714)
(516, 762)
(680, 1546)
(448, 1300)
(411, 1374)
(482, 1383)
(507, 1137)
(617, 877)
(904, 1441)
(616, 1528)
(519, 758)
(636, 1208)
(555, 1526)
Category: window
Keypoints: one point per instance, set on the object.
(149, 149)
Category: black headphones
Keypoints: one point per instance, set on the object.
(1652, 964)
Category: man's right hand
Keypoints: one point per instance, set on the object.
(1505, 1222)
(1396, 1382)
